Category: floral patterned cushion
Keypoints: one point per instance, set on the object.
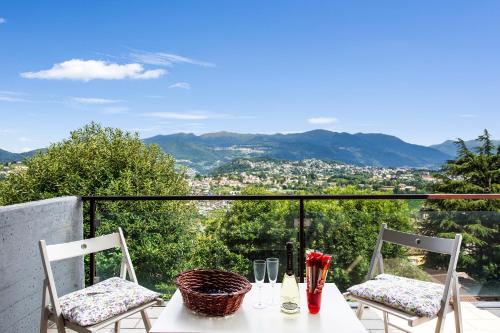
(103, 300)
(412, 296)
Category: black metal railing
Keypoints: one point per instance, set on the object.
(301, 198)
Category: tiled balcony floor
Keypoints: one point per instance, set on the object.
(475, 320)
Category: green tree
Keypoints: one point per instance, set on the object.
(104, 161)
(347, 229)
(471, 172)
(250, 230)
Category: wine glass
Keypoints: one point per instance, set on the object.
(259, 271)
(272, 275)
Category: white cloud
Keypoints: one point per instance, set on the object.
(114, 110)
(165, 59)
(322, 120)
(468, 115)
(178, 116)
(233, 116)
(195, 115)
(2, 20)
(95, 100)
(9, 92)
(181, 85)
(7, 131)
(11, 96)
(144, 129)
(26, 149)
(4, 98)
(24, 139)
(86, 70)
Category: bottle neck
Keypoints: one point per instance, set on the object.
(289, 262)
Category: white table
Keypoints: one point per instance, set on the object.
(335, 316)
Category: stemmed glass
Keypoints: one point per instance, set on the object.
(259, 271)
(272, 275)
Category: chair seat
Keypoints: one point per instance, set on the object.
(416, 297)
(104, 300)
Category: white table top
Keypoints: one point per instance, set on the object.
(335, 316)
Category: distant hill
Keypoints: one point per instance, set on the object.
(361, 149)
(6, 156)
(213, 149)
(448, 147)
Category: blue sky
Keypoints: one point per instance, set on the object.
(425, 71)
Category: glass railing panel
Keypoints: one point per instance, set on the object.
(164, 243)
(349, 234)
(231, 235)
(479, 262)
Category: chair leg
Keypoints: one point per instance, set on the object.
(359, 311)
(60, 325)
(145, 319)
(44, 321)
(441, 318)
(457, 309)
(386, 322)
(117, 327)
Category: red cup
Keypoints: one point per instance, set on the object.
(313, 302)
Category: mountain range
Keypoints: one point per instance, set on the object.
(360, 148)
(7, 156)
(373, 149)
(449, 147)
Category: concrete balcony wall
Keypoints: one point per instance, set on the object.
(21, 274)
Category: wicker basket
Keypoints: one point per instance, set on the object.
(212, 292)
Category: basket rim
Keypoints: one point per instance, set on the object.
(243, 291)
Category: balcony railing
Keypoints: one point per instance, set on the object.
(305, 223)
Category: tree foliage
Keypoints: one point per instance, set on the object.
(104, 161)
(251, 230)
(95, 161)
(476, 220)
(347, 229)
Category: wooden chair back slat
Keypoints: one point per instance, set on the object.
(432, 244)
(83, 247)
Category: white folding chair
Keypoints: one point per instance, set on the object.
(451, 287)
(51, 308)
